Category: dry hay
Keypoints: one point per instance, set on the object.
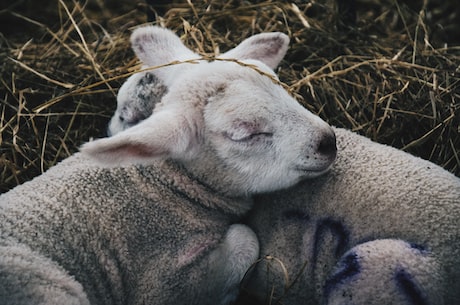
(392, 76)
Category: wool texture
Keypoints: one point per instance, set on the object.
(382, 227)
(82, 233)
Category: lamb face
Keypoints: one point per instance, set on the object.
(229, 125)
(255, 136)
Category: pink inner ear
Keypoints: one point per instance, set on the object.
(132, 150)
(138, 150)
(266, 47)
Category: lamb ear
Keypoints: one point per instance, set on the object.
(156, 46)
(268, 48)
(163, 135)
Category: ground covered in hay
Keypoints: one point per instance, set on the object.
(389, 70)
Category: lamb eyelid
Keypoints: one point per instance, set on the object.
(251, 136)
(265, 133)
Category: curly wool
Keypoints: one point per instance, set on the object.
(108, 231)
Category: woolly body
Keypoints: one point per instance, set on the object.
(127, 235)
(382, 227)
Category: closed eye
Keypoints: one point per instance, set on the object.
(252, 137)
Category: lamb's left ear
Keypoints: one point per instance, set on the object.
(268, 48)
(165, 134)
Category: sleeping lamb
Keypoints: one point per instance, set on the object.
(383, 227)
(149, 215)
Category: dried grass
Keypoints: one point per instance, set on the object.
(393, 76)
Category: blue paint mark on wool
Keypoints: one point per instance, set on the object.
(409, 288)
(348, 267)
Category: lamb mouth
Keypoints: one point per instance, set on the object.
(315, 171)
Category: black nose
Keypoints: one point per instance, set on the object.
(327, 146)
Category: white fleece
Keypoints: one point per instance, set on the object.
(82, 234)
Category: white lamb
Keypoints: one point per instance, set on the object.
(96, 229)
(382, 227)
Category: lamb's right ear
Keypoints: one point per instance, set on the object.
(156, 46)
(165, 134)
(268, 48)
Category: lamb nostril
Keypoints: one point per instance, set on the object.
(327, 145)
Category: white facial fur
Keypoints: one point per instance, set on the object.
(229, 126)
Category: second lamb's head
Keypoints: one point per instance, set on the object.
(230, 125)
